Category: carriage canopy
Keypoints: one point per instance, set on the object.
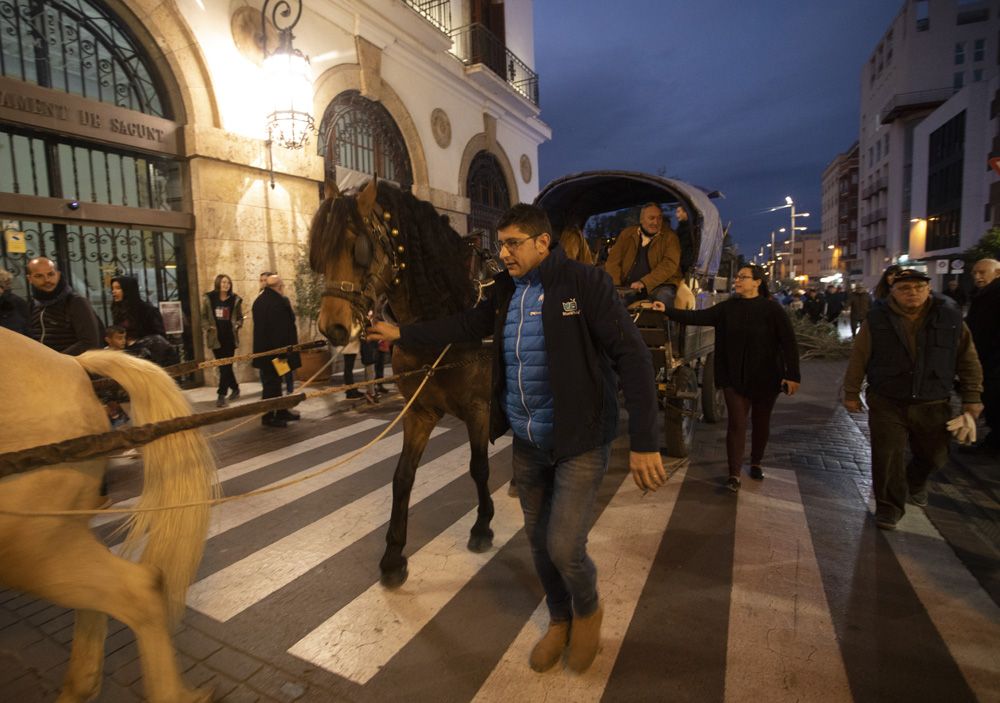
(573, 199)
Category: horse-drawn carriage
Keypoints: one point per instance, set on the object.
(682, 355)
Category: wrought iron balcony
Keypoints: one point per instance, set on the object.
(475, 44)
(437, 12)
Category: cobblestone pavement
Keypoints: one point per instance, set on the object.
(782, 592)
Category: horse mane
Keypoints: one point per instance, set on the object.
(436, 277)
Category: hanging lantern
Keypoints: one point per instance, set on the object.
(287, 81)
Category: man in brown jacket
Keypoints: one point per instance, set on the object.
(910, 348)
(646, 258)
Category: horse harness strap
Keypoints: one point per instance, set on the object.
(377, 282)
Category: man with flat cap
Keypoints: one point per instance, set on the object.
(910, 349)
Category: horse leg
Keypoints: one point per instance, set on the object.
(86, 660)
(417, 426)
(481, 536)
(130, 592)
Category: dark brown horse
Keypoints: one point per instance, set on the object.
(385, 246)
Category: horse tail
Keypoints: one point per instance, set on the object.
(178, 469)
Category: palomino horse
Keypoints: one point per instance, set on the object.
(50, 399)
(385, 244)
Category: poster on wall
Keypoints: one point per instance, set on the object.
(173, 318)
(941, 266)
(14, 242)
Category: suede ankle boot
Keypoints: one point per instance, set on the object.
(584, 640)
(549, 649)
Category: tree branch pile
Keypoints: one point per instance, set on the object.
(818, 340)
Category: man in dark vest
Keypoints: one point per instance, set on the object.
(910, 348)
(61, 318)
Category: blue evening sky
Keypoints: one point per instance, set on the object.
(751, 98)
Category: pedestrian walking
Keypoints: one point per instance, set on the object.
(860, 302)
(560, 331)
(984, 323)
(813, 306)
(756, 358)
(910, 349)
(221, 320)
(274, 327)
(835, 301)
(953, 290)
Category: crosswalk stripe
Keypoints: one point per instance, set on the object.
(230, 591)
(363, 636)
(292, 450)
(257, 462)
(782, 644)
(967, 619)
(623, 543)
(230, 515)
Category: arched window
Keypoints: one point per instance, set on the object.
(487, 189)
(360, 135)
(78, 48)
(84, 49)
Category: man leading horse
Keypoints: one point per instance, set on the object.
(560, 332)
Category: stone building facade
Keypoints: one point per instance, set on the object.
(133, 138)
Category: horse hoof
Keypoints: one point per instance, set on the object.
(394, 578)
(480, 543)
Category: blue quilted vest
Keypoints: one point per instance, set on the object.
(527, 401)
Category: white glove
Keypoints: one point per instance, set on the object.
(963, 428)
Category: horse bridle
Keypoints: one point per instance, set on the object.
(378, 281)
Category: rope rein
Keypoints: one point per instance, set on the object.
(428, 372)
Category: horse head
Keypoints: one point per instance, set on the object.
(351, 245)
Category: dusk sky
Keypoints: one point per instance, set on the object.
(751, 98)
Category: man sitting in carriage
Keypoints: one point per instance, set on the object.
(646, 258)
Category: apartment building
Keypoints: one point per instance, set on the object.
(839, 216)
(932, 51)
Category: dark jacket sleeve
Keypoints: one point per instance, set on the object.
(709, 317)
(471, 325)
(617, 336)
(787, 343)
(86, 327)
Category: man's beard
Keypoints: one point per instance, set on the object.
(643, 230)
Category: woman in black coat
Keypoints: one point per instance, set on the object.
(756, 357)
(128, 310)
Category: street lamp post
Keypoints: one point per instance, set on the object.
(789, 203)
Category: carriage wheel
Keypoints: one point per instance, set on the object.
(681, 414)
(713, 400)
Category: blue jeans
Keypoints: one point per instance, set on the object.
(558, 504)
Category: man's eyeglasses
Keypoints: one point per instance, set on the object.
(512, 245)
(744, 278)
(909, 287)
